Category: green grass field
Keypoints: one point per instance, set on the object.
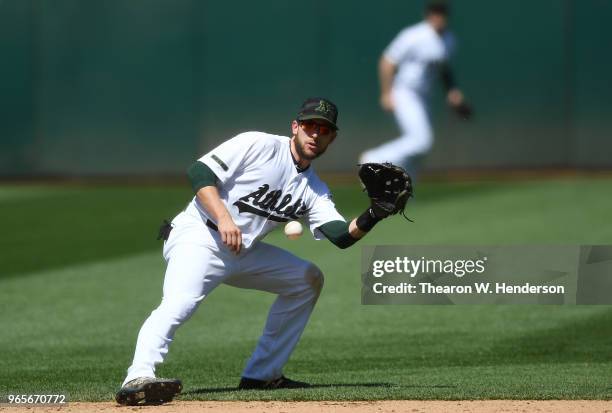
(80, 270)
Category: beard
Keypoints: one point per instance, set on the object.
(300, 148)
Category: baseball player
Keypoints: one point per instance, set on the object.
(244, 188)
(406, 69)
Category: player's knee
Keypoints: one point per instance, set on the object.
(314, 278)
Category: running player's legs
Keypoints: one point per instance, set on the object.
(298, 284)
(194, 270)
(416, 135)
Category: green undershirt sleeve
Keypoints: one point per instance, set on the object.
(337, 232)
(200, 176)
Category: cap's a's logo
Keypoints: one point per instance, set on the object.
(323, 107)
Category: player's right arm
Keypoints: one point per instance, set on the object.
(386, 73)
(397, 52)
(204, 183)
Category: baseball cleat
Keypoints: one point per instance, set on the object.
(281, 383)
(148, 390)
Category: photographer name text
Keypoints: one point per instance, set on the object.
(476, 288)
(411, 268)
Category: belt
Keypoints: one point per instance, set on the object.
(166, 227)
(212, 225)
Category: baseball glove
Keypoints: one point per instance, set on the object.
(464, 110)
(388, 186)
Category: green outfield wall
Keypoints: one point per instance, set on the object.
(147, 86)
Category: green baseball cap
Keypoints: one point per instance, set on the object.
(319, 108)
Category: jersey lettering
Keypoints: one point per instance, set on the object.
(253, 203)
(270, 199)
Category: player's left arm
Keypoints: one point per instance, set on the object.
(389, 187)
(342, 234)
(454, 95)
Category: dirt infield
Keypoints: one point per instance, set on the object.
(388, 406)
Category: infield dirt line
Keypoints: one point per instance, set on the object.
(386, 406)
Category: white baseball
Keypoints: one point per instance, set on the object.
(293, 230)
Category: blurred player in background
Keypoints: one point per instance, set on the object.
(405, 70)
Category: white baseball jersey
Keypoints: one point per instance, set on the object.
(261, 187)
(417, 50)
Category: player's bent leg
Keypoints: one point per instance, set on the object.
(298, 284)
(413, 120)
(284, 326)
(192, 273)
(157, 333)
(416, 137)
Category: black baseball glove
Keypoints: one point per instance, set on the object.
(388, 186)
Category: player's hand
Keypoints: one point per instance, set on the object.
(386, 102)
(459, 105)
(230, 234)
(455, 97)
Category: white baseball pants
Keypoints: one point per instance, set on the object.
(416, 134)
(198, 262)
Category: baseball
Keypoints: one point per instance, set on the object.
(293, 230)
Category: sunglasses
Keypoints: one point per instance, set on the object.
(310, 126)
